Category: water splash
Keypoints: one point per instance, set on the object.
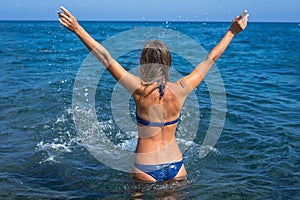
(64, 141)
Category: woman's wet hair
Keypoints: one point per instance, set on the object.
(155, 63)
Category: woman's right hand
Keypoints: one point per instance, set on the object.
(68, 20)
(239, 23)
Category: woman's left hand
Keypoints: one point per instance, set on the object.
(239, 23)
(68, 20)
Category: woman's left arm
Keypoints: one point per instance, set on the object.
(191, 81)
(126, 79)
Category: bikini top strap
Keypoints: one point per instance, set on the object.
(161, 88)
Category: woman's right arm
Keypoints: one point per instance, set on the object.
(126, 79)
(191, 81)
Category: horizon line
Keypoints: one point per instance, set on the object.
(145, 21)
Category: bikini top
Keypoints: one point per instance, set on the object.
(159, 124)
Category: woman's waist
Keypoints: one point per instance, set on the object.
(155, 152)
(149, 133)
(157, 159)
(156, 143)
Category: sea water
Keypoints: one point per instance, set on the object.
(256, 157)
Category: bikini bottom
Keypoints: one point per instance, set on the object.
(161, 172)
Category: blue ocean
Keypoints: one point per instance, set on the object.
(42, 156)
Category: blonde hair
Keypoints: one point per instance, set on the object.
(155, 63)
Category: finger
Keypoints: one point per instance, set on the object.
(235, 19)
(243, 25)
(242, 15)
(245, 19)
(62, 22)
(66, 11)
(61, 14)
(65, 17)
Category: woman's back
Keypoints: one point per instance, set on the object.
(157, 139)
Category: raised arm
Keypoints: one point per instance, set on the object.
(128, 80)
(191, 81)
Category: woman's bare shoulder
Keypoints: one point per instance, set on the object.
(176, 89)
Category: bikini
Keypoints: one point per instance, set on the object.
(159, 172)
(158, 124)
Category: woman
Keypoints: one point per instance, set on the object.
(158, 101)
